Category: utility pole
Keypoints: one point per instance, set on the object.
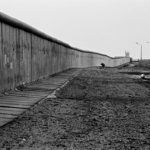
(141, 50)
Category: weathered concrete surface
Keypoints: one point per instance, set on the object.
(17, 102)
(27, 54)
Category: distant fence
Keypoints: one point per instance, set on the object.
(27, 54)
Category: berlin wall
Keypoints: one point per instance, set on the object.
(27, 54)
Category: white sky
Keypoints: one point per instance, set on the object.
(106, 26)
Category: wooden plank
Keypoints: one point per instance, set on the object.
(10, 103)
(19, 100)
(30, 93)
(48, 87)
(3, 121)
(2, 115)
(14, 106)
(14, 111)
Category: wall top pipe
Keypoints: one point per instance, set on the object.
(21, 25)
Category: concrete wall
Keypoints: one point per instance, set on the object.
(27, 54)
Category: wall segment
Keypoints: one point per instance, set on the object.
(27, 54)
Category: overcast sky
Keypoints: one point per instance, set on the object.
(105, 26)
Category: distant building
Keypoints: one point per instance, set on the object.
(127, 54)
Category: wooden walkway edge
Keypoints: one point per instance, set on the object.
(16, 102)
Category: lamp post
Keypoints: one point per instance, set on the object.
(141, 49)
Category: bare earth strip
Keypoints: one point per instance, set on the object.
(100, 109)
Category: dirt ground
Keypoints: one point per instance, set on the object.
(100, 109)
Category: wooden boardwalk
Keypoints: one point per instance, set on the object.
(16, 102)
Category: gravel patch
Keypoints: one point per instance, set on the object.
(100, 109)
